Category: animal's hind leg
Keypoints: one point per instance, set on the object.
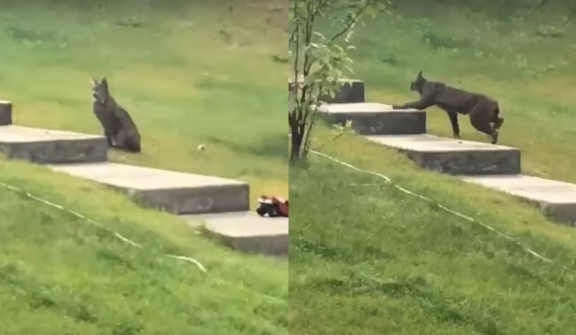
(127, 142)
(133, 144)
(496, 119)
(120, 139)
(481, 116)
(498, 123)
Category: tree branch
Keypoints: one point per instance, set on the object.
(351, 23)
(313, 65)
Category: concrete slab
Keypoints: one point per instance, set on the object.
(51, 146)
(174, 192)
(350, 92)
(453, 156)
(5, 113)
(247, 232)
(557, 199)
(370, 118)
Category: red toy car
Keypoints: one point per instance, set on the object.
(273, 206)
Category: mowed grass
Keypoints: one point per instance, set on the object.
(189, 72)
(63, 275)
(519, 55)
(367, 258)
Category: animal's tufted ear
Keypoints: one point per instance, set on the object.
(94, 81)
(420, 76)
(104, 82)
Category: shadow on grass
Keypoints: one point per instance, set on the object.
(270, 146)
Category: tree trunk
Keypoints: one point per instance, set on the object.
(296, 145)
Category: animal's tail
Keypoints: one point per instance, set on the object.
(498, 121)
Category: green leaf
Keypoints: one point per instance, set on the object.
(326, 62)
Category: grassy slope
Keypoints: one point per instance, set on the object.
(369, 259)
(189, 72)
(60, 275)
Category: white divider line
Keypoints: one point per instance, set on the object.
(96, 224)
(387, 180)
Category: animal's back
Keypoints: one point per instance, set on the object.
(126, 120)
(456, 100)
(131, 131)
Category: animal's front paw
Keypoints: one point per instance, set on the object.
(395, 107)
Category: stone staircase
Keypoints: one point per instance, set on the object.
(493, 166)
(220, 206)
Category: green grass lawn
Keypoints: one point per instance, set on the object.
(368, 259)
(517, 59)
(61, 275)
(189, 72)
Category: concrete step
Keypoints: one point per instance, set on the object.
(377, 119)
(5, 113)
(246, 231)
(350, 92)
(51, 146)
(453, 156)
(557, 199)
(174, 192)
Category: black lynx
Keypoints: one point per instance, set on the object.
(483, 111)
(119, 128)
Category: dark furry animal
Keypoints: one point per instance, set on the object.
(483, 111)
(119, 128)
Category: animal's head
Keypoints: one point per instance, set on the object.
(100, 90)
(418, 83)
